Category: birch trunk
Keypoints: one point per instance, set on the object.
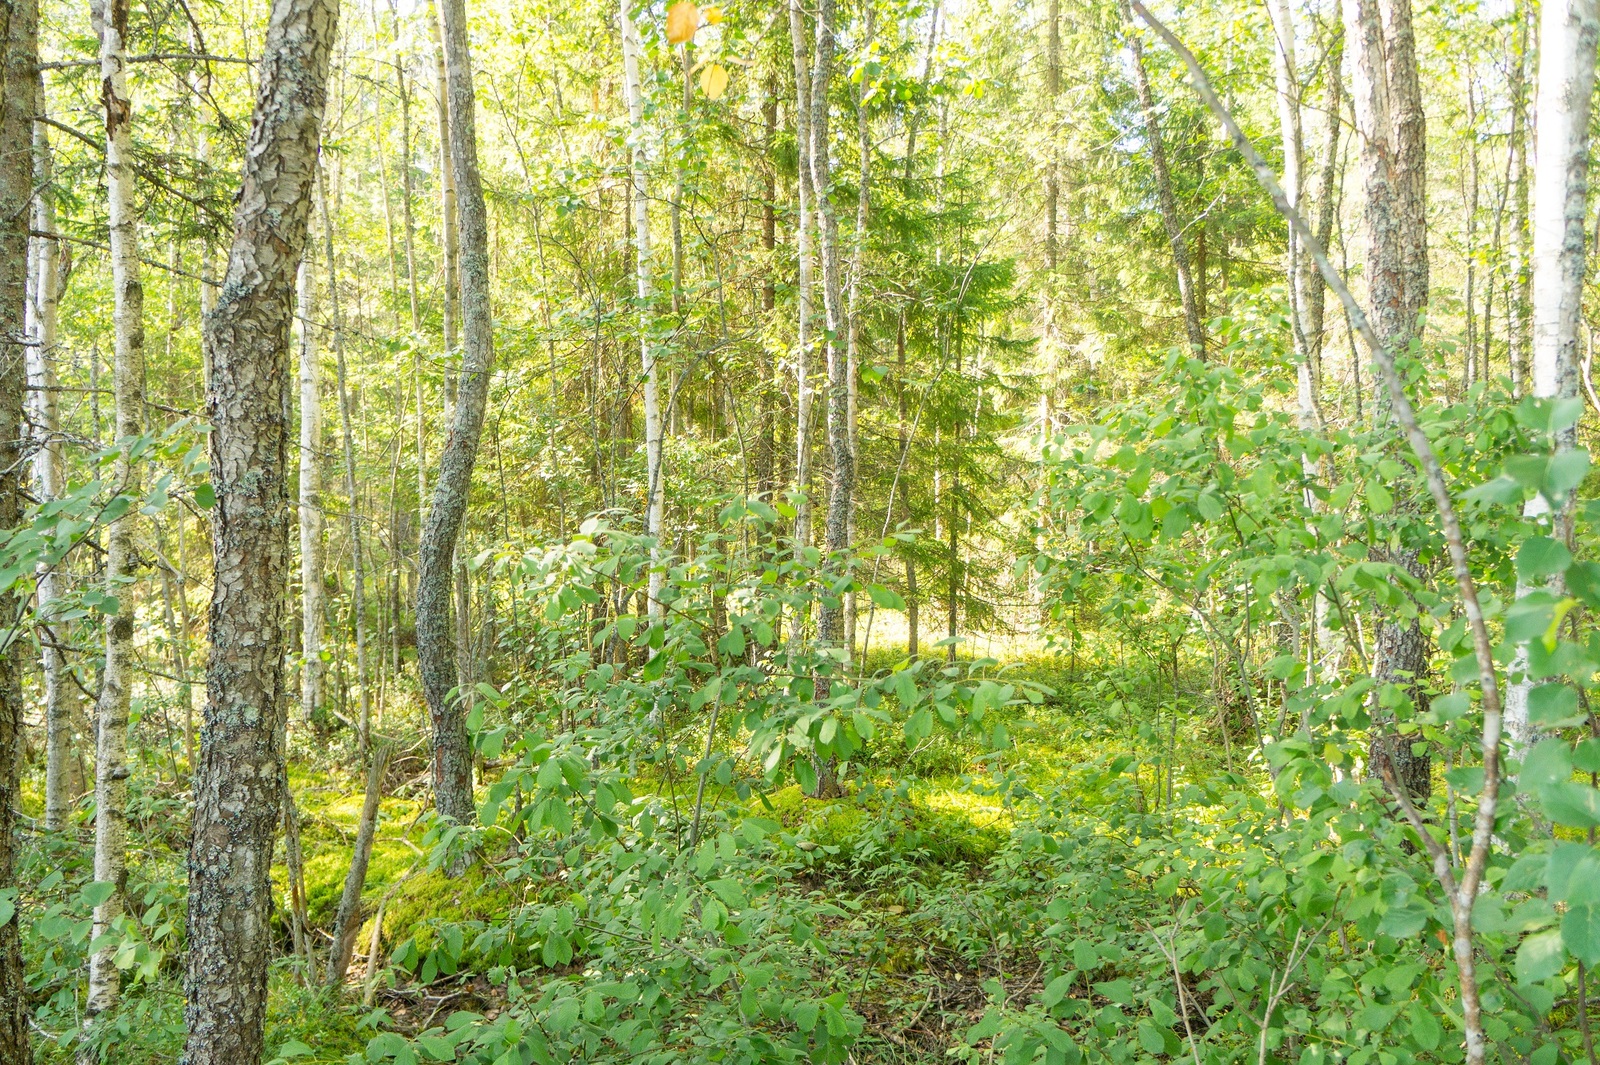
(644, 292)
(111, 715)
(804, 194)
(238, 786)
(1568, 30)
(841, 487)
(62, 781)
(313, 672)
(19, 71)
(1193, 326)
(358, 578)
(452, 747)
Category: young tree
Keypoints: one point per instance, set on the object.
(805, 191)
(116, 683)
(452, 748)
(238, 784)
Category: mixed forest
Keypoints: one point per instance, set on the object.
(852, 531)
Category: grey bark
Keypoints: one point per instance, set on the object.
(452, 748)
(238, 784)
(450, 235)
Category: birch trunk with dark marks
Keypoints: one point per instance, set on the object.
(805, 193)
(116, 682)
(62, 779)
(1193, 326)
(452, 748)
(20, 25)
(1567, 40)
(313, 671)
(358, 577)
(238, 784)
(841, 485)
(644, 292)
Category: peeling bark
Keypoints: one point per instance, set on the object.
(452, 747)
(238, 784)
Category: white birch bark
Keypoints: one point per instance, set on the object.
(111, 715)
(312, 617)
(644, 292)
(60, 702)
(804, 193)
(1568, 30)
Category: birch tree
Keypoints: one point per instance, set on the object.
(60, 702)
(1568, 30)
(313, 671)
(804, 193)
(452, 748)
(18, 71)
(238, 784)
(116, 683)
(644, 292)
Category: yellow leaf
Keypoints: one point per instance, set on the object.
(714, 80)
(713, 14)
(683, 18)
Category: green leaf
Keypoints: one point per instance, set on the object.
(1541, 558)
(294, 1049)
(1209, 505)
(205, 497)
(1425, 1027)
(1379, 498)
(1565, 472)
(1150, 1038)
(1549, 762)
(436, 1049)
(885, 598)
(1572, 804)
(1540, 957)
(1553, 706)
(98, 892)
(1580, 931)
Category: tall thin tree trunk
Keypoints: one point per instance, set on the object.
(19, 72)
(1519, 301)
(852, 314)
(450, 237)
(1052, 89)
(1568, 30)
(452, 748)
(804, 194)
(644, 291)
(1193, 327)
(313, 672)
(116, 686)
(62, 782)
(766, 443)
(238, 786)
(358, 578)
(347, 919)
(1327, 195)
